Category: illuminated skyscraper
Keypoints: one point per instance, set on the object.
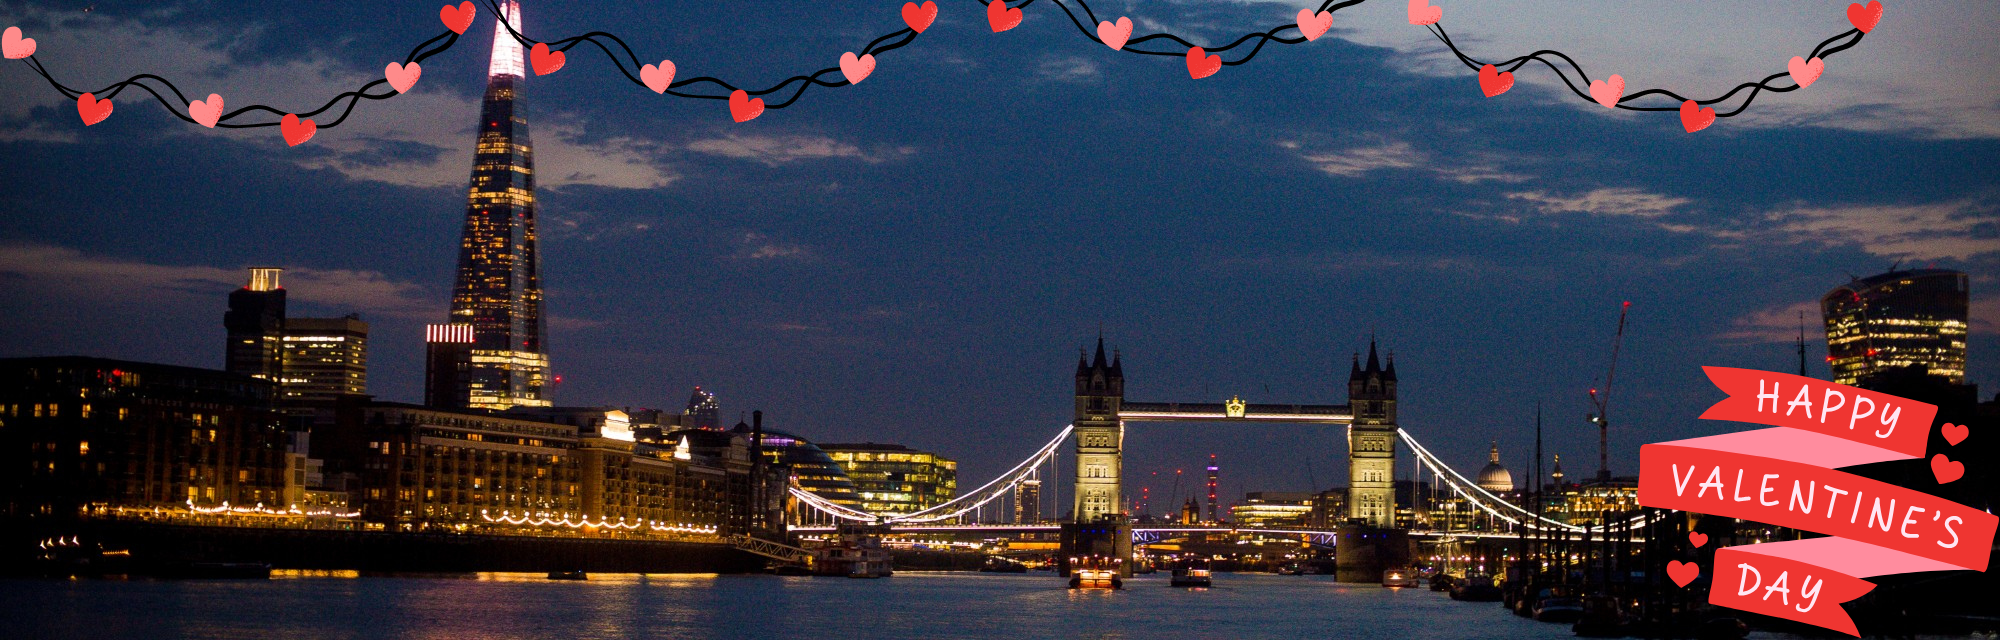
(1028, 502)
(499, 287)
(1897, 319)
(256, 324)
(702, 411)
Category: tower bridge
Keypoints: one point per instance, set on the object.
(1096, 524)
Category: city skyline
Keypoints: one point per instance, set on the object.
(833, 261)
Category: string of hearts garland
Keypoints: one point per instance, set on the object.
(746, 104)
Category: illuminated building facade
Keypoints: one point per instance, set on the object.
(84, 436)
(1100, 436)
(256, 323)
(1273, 509)
(702, 411)
(429, 469)
(499, 289)
(325, 357)
(1028, 502)
(1911, 318)
(892, 478)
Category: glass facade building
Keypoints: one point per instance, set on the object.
(1895, 320)
(499, 289)
(894, 478)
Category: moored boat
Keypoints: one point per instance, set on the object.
(1191, 573)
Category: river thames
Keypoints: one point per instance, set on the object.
(908, 605)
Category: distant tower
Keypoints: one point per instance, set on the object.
(1558, 473)
(256, 325)
(702, 411)
(448, 354)
(1100, 435)
(1898, 319)
(1371, 441)
(1028, 502)
(1190, 512)
(499, 286)
(1213, 472)
(1495, 477)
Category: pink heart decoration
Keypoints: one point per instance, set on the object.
(1683, 572)
(1200, 64)
(856, 69)
(659, 78)
(919, 18)
(15, 47)
(1954, 433)
(458, 18)
(1865, 18)
(296, 131)
(546, 61)
(1607, 92)
(1946, 469)
(1421, 13)
(744, 108)
(1115, 35)
(1493, 81)
(206, 113)
(1000, 17)
(1805, 72)
(403, 77)
(91, 109)
(1698, 538)
(1313, 25)
(1695, 117)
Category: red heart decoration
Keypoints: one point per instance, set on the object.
(546, 61)
(1000, 17)
(1421, 13)
(296, 131)
(13, 46)
(1313, 25)
(1954, 433)
(660, 78)
(1683, 572)
(1695, 117)
(1201, 65)
(1864, 18)
(744, 108)
(856, 69)
(1697, 538)
(1608, 92)
(206, 113)
(1114, 34)
(1946, 469)
(402, 77)
(91, 109)
(458, 18)
(1493, 81)
(919, 18)
(1805, 72)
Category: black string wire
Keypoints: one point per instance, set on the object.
(179, 110)
(630, 66)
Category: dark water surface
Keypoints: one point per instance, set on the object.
(909, 605)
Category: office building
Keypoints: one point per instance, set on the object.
(893, 478)
(324, 358)
(1028, 502)
(499, 289)
(255, 323)
(1901, 319)
(1273, 509)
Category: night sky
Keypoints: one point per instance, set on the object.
(919, 258)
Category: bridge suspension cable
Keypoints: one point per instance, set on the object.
(1460, 485)
(990, 491)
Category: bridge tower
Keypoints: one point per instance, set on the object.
(1371, 441)
(1100, 435)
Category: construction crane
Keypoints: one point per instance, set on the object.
(1602, 401)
